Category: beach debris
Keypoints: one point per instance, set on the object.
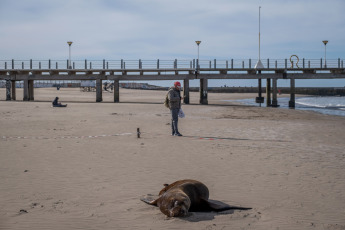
(26, 170)
(138, 133)
(22, 211)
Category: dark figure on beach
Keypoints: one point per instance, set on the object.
(56, 103)
(175, 106)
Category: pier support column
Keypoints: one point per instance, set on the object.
(268, 92)
(259, 99)
(186, 91)
(26, 90)
(292, 93)
(8, 90)
(274, 92)
(116, 91)
(31, 90)
(99, 90)
(203, 91)
(13, 90)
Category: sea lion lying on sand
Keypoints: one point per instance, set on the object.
(183, 196)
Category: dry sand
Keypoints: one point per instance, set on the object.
(83, 167)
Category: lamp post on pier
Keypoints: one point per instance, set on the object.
(69, 59)
(197, 64)
(325, 42)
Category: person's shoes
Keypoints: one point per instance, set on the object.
(178, 134)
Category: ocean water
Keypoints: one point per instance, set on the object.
(331, 105)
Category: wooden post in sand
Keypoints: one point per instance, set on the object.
(292, 93)
(186, 91)
(116, 91)
(13, 90)
(99, 90)
(268, 92)
(203, 91)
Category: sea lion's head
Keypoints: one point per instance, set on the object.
(174, 204)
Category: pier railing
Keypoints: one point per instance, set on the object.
(235, 64)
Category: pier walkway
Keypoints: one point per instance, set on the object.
(293, 69)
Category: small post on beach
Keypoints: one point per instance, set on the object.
(292, 93)
(138, 133)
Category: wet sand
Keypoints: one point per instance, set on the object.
(83, 167)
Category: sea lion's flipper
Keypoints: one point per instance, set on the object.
(219, 206)
(150, 199)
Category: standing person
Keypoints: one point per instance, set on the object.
(175, 106)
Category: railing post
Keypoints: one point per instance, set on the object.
(12, 63)
(303, 64)
(22, 65)
(85, 64)
(194, 64)
(157, 63)
(232, 63)
(90, 65)
(268, 63)
(276, 64)
(242, 64)
(49, 64)
(227, 64)
(309, 64)
(338, 63)
(285, 63)
(121, 63)
(175, 64)
(107, 65)
(73, 65)
(321, 63)
(103, 63)
(30, 63)
(210, 64)
(39, 65)
(191, 64)
(67, 65)
(5, 65)
(215, 63)
(342, 63)
(140, 64)
(57, 65)
(250, 63)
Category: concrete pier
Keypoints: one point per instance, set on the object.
(292, 93)
(186, 91)
(116, 91)
(203, 91)
(99, 90)
(274, 93)
(268, 92)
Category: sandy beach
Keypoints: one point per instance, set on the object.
(83, 167)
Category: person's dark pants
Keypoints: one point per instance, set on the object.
(174, 121)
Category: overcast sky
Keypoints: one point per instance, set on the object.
(167, 29)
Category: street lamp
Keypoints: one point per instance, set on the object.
(325, 42)
(259, 64)
(197, 64)
(69, 60)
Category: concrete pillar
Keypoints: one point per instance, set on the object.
(26, 90)
(14, 90)
(116, 91)
(99, 90)
(186, 91)
(268, 92)
(274, 93)
(203, 91)
(8, 90)
(31, 90)
(292, 93)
